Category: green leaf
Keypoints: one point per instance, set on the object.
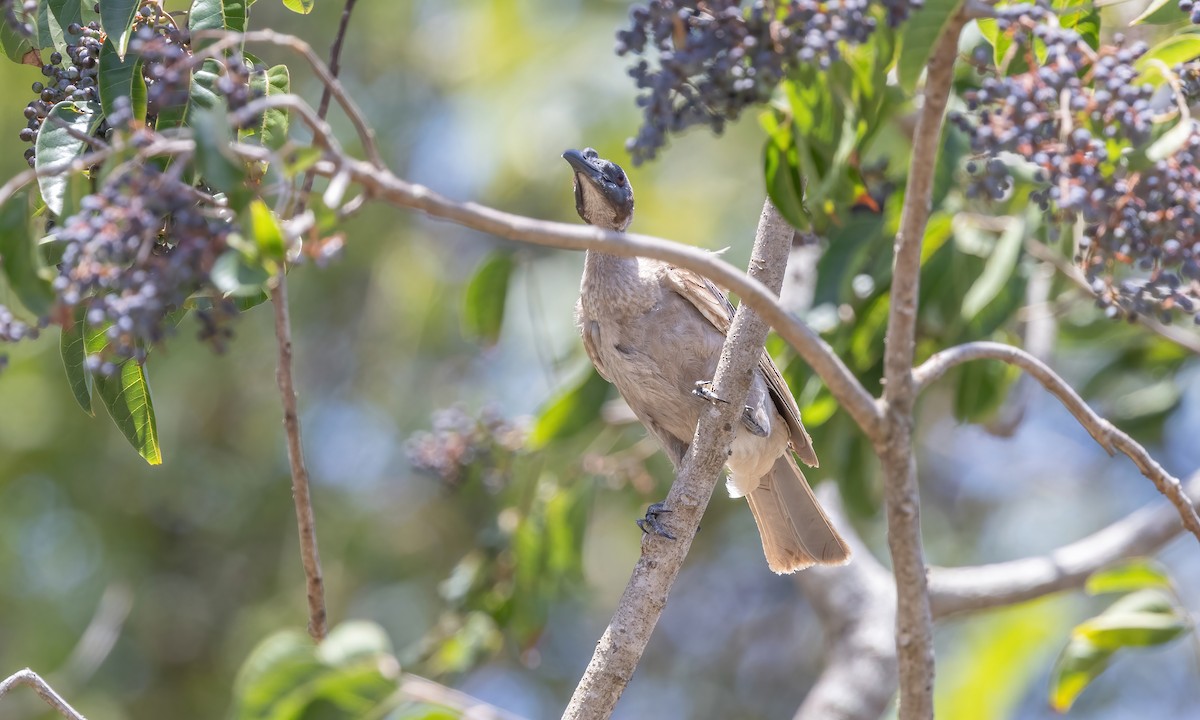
(272, 129)
(74, 355)
(126, 395)
(1135, 574)
(264, 231)
(17, 46)
(64, 13)
(19, 256)
(483, 305)
(1081, 16)
(1113, 631)
(920, 36)
(780, 168)
(996, 272)
(215, 15)
(234, 274)
(1160, 12)
(1170, 52)
(571, 411)
(116, 17)
(1076, 667)
(220, 170)
(303, 7)
(121, 76)
(350, 674)
(60, 140)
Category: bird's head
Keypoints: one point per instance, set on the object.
(603, 196)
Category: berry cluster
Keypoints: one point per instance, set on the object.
(458, 441)
(135, 251)
(69, 78)
(166, 55)
(1078, 125)
(234, 85)
(704, 61)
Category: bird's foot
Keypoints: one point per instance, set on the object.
(704, 389)
(652, 523)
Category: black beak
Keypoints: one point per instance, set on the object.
(579, 163)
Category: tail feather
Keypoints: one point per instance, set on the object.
(795, 530)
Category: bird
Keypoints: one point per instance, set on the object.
(655, 331)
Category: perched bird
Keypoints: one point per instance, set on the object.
(656, 332)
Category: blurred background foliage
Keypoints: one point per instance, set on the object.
(475, 484)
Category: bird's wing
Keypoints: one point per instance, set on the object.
(717, 309)
(589, 330)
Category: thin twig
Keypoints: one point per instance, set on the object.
(31, 679)
(305, 522)
(1111, 438)
(914, 623)
(335, 67)
(620, 648)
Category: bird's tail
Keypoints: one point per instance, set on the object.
(795, 530)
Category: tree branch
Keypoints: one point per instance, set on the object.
(1111, 438)
(419, 689)
(620, 648)
(856, 605)
(31, 679)
(970, 589)
(914, 623)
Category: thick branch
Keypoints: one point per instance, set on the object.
(914, 624)
(856, 604)
(1105, 433)
(31, 679)
(620, 648)
(970, 589)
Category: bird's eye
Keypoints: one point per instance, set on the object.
(619, 178)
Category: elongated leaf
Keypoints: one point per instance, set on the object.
(1170, 52)
(17, 46)
(483, 306)
(73, 350)
(997, 271)
(1076, 667)
(116, 17)
(1136, 574)
(920, 36)
(303, 7)
(571, 411)
(126, 396)
(61, 139)
(19, 256)
(219, 169)
(121, 77)
(782, 173)
(1160, 12)
(264, 231)
(236, 275)
(63, 14)
(272, 130)
(1113, 631)
(216, 15)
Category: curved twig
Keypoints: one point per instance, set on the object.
(31, 679)
(1111, 438)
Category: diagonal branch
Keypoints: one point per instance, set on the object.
(31, 679)
(1111, 438)
(971, 589)
(914, 624)
(620, 648)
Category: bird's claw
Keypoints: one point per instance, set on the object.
(704, 389)
(651, 522)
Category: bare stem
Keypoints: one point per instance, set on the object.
(31, 679)
(914, 623)
(620, 648)
(1105, 433)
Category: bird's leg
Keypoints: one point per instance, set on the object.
(704, 389)
(652, 523)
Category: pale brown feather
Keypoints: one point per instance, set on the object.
(795, 530)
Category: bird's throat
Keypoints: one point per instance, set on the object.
(614, 286)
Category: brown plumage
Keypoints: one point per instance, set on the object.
(655, 330)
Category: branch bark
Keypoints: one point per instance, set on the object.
(914, 623)
(31, 679)
(971, 589)
(856, 605)
(620, 648)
